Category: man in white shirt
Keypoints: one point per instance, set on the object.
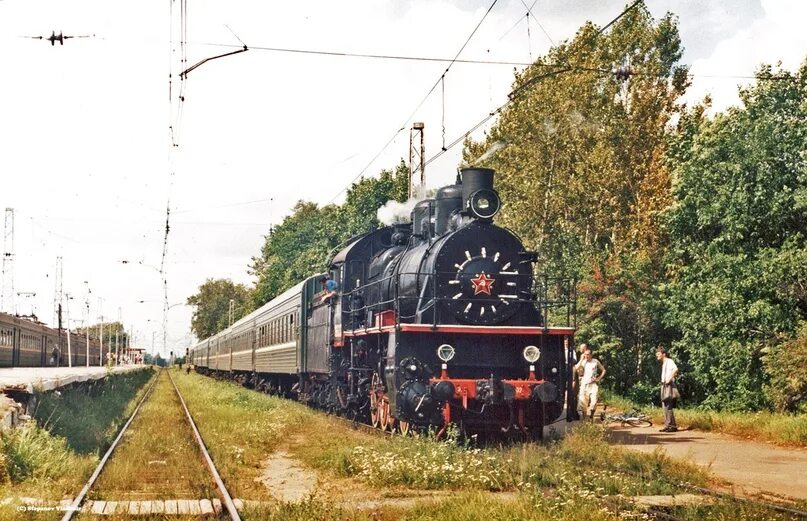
(592, 374)
(668, 373)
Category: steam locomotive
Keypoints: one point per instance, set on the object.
(421, 324)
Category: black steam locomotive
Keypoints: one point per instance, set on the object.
(421, 324)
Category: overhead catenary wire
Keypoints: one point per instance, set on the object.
(403, 125)
(344, 54)
(515, 93)
(340, 54)
(530, 13)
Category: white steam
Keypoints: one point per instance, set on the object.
(487, 154)
(396, 212)
(495, 147)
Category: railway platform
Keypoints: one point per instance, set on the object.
(37, 379)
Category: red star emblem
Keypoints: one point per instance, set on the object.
(482, 284)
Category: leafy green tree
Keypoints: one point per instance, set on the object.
(212, 301)
(738, 261)
(110, 329)
(583, 176)
(301, 245)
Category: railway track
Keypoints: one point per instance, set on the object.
(134, 484)
(783, 511)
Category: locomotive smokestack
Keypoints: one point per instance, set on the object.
(479, 197)
(474, 179)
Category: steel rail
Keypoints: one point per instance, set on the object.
(225, 495)
(76, 504)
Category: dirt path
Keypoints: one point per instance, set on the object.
(752, 467)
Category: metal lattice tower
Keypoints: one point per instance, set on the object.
(7, 289)
(417, 156)
(58, 292)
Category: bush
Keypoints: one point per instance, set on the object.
(30, 452)
(786, 368)
(644, 393)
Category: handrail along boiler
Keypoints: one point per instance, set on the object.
(437, 320)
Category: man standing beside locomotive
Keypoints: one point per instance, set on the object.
(669, 391)
(592, 374)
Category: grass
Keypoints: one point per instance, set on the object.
(788, 430)
(578, 477)
(89, 416)
(158, 457)
(37, 461)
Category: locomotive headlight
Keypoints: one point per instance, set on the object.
(531, 354)
(445, 352)
(484, 203)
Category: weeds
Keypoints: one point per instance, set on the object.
(30, 452)
(578, 477)
(89, 416)
(37, 461)
(158, 457)
(783, 429)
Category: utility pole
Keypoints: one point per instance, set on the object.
(7, 288)
(87, 324)
(271, 200)
(67, 317)
(417, 156)
(101, 328)
(59, 325)
(117, 330)
(58, 295)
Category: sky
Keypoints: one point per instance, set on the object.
(95, 143)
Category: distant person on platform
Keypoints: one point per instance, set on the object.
(54, 356)
(593, 372)
(669, 391)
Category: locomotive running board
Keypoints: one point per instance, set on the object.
(491, 330)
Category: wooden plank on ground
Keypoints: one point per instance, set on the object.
(170, 506)
(110, 507)
(98, 507)
(207, 506)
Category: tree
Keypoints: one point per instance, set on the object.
(301, 245)
(110, 329)
(738, 262)
(583, 176)
(212, 301)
